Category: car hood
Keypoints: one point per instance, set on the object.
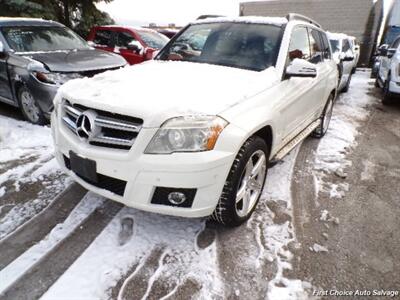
(158, 90)
(78, 60)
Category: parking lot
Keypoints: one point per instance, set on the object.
(327, 219)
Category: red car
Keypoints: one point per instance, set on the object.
(134, 44)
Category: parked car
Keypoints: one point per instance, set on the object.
(136, 45)
(356, 50)
(38, 56)
(345, 58)
(247, 96)
(388, 77)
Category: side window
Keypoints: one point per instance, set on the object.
(325, 46)
(123, 39)
(346, 46)
(316, 47)
(299, 45)
(103, 38)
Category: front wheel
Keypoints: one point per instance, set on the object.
(326, 117)
(29, 108)
(244, 185)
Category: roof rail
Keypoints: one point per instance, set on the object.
(298, 17)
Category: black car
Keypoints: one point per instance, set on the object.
(37, 57)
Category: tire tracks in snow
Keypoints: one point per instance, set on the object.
(46, 271)
(17, 242)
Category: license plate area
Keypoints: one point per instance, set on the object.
(83, 167)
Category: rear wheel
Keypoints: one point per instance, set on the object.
(326, 117)
(244, 185)
(29, 108)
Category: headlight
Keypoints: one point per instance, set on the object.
(55, 78)
(187, 134)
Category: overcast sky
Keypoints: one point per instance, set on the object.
(163, 12)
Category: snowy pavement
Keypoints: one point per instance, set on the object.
(103, 251)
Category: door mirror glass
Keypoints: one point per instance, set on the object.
(301, 68)
(135, 46)
(1, 47)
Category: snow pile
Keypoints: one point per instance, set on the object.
(331, 156)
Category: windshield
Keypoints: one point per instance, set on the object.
(239, 45)
(153, 39)
(42, 38)
(335, 45)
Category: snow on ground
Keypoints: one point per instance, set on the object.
(26, 159)
(106, 260)
(331, 156)
(18, 267)
(101, 266)
(279, 236)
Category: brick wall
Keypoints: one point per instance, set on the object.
(359, 18)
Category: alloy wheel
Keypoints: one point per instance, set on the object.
(251, 183)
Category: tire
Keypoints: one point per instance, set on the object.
(347, 86)
(387, 95)
(326, 116)
(244, 185)
(29, 108)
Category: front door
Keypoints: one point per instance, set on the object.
(122, 40)
(5, 88)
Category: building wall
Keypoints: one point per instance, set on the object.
(359, 18)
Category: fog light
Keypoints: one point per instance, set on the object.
(176, 198)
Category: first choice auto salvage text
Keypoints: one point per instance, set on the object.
(342, 293)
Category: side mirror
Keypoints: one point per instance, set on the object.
(135, 46)
(390, 52)
(348, 58)
(382, 50)
(301, 68)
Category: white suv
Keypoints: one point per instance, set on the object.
(388, 77)
(193, 132)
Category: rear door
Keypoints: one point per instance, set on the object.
(122, 40)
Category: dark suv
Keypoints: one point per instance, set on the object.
(37, 57)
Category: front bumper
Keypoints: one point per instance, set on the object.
(206, 172)
(43, 94)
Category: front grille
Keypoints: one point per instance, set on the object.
(111, 184)
(109, 130)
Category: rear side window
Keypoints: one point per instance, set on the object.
(325, 46)
(123, 39)
(346, 45)
(299, 45)
(316, 47)
(103, 38)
